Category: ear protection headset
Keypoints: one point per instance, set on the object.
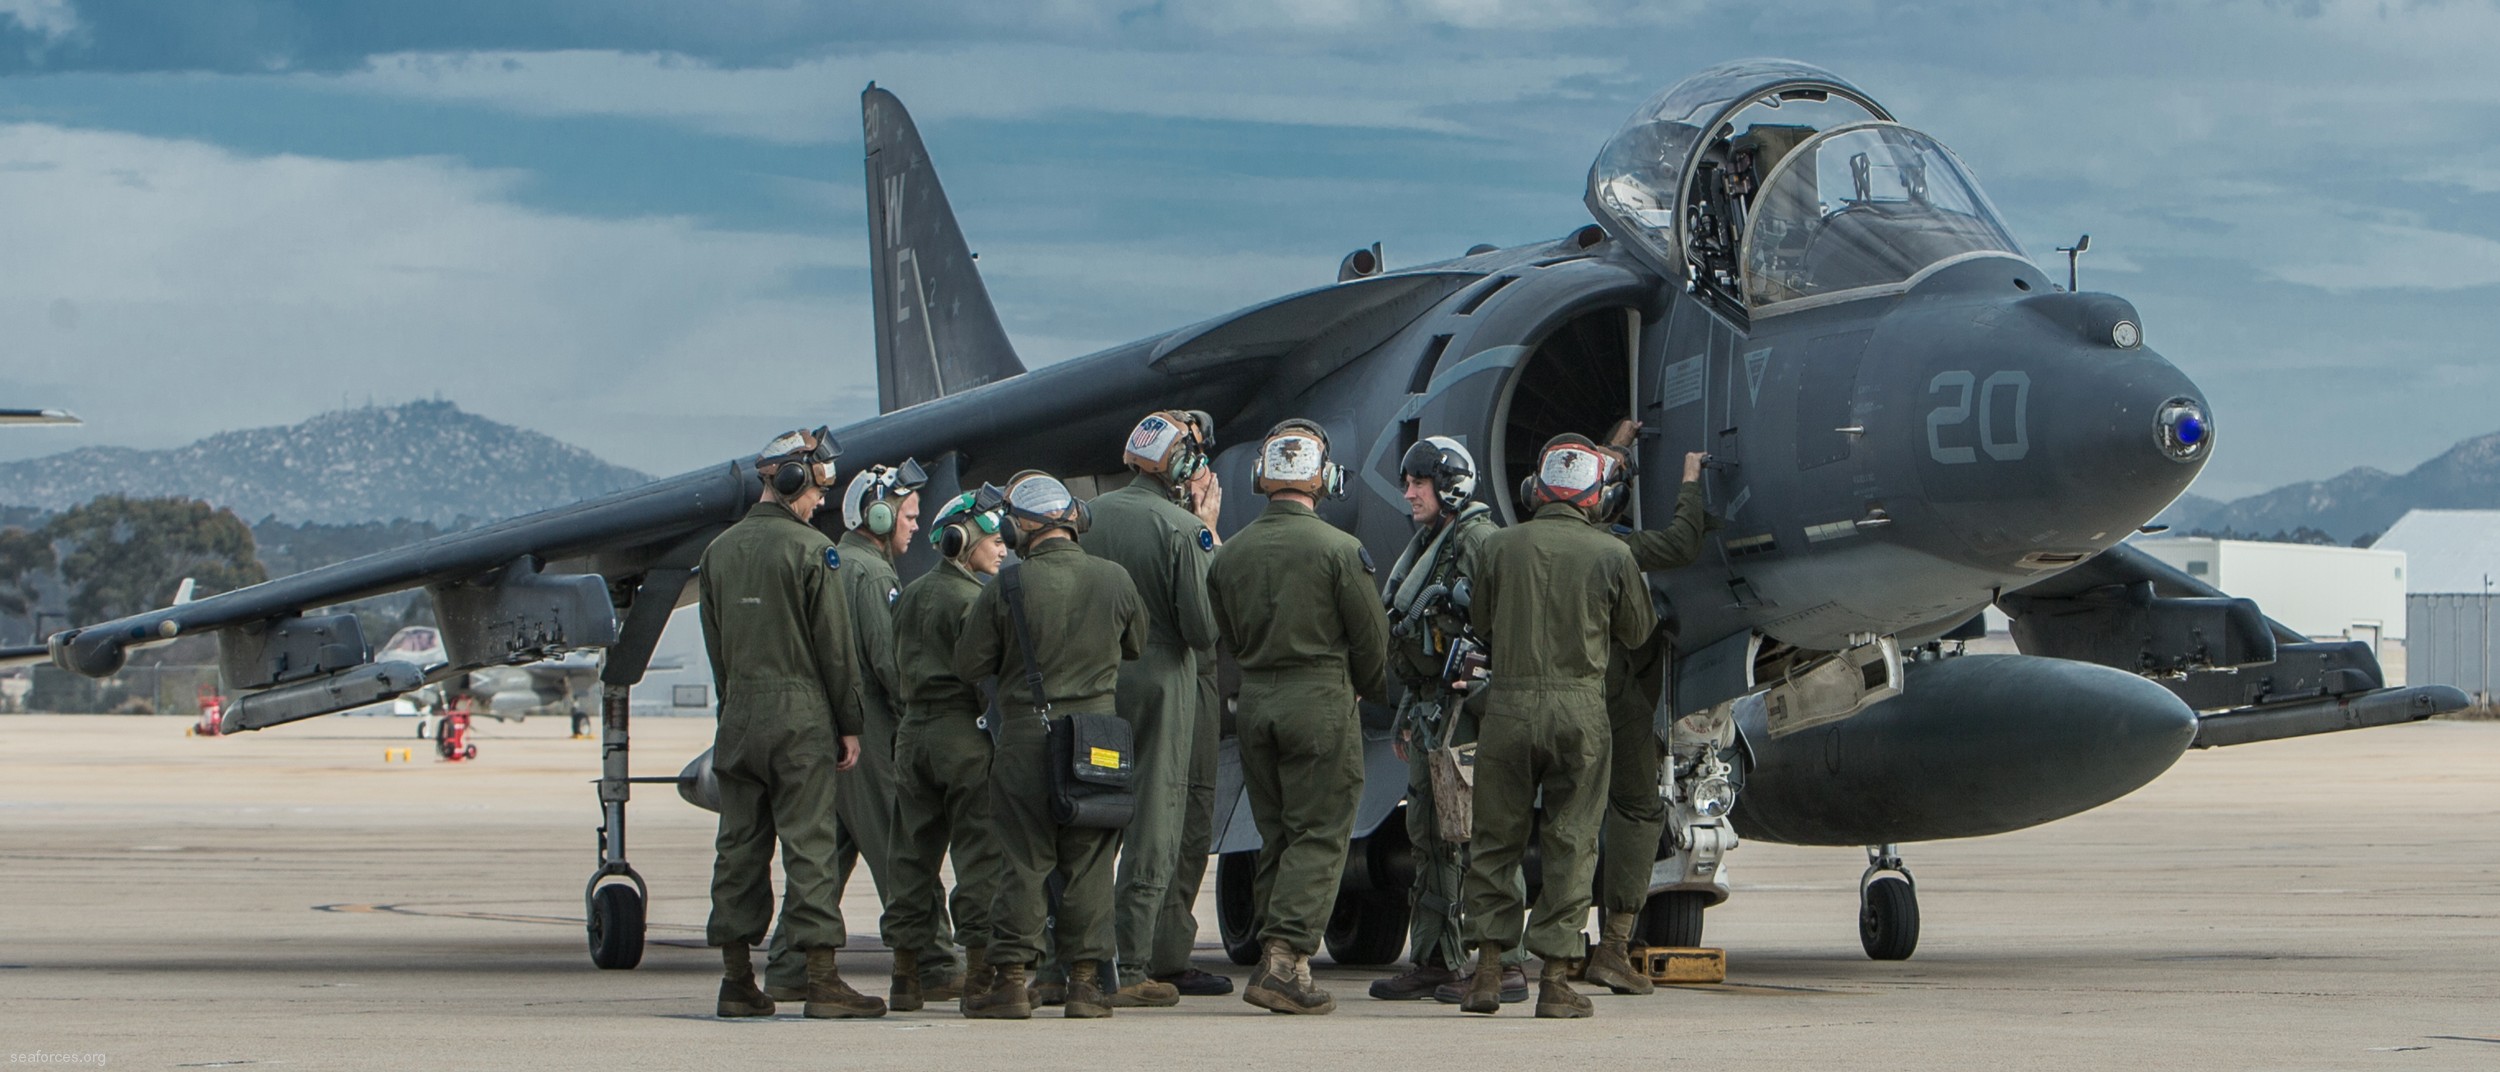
(1037, 501)
(1171, 444)
(970, 513)
(1328, 482)
(795, 459)
(1600, 500)
(869, 502)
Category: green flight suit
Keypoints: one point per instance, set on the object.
(864, 802)
(778, 634)
(1293, 596)
(1636, 816)
(1418, 659)
(1165, 550)
(941, 771)
(1176, 935)
(1086, 619)
(1550, 593)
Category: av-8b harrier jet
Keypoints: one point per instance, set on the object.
(1910, 423)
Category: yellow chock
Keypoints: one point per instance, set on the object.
(1680, 965)
(400, 754)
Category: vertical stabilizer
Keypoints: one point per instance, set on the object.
(937, 333)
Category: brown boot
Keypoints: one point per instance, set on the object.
(1288, 987)
(1417, 982)
(1484, 992)
(1146, 994)
(1085, 996)
(978, 977)
(949, 989)
(1274, 973)
(1555, 998)
(738, 995)
(1610, 963)
(1003, 999)
(828, 997)
(903, 994)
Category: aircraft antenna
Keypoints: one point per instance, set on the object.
(2081, 246)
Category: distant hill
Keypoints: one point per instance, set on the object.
(2361, 502)
(422, 461)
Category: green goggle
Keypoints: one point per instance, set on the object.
(981, 508)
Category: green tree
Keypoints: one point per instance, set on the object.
(129, 555)
(22, 555)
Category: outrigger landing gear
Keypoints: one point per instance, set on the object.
(1887, 905)
(615, 897)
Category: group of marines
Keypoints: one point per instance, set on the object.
(861, 718)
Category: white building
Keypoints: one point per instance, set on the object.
(2322, 592)
(2454, 577)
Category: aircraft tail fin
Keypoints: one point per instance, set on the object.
(937, 333)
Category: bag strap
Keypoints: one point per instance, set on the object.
(1011, 587)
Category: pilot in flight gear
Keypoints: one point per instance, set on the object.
(942, 754)
(1293, 597)
(1550, 594)
(1086, 618)
(777, 629)
(1440, 483)
(1636, 815)
(1149, 530)
(880, 511)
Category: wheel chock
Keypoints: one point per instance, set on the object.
(1676, 965)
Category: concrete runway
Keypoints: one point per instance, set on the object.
(289, 898)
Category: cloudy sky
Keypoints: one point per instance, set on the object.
(637, 224)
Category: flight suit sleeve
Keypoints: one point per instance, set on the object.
(1215, 603)
(1133, 621)
(872, 625)
(707, 608)
(976, 650)
(1191, 609)
(829, 627)
(1634, 617)
(1484, 584)
(1366, 629)
(1679, 543)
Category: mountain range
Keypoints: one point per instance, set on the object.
(425, 461)
(2361, 503)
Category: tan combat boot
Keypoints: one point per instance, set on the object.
(1145, 993)
(1484, 993)
(1004, 999)
(738, 995)
(1085, 996)
(1283, 984)
(1610, 964)
(903, 993)
(1555, 998)
(978, 975)
(1273, 975)
(828, 997)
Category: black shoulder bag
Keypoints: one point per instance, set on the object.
(1092, 759)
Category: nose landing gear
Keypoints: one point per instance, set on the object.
(1887, 905)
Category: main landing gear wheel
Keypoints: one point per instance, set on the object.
(616, 926)
(1673, 919)
(1887, 906)
(1368, 928)
(1236, 895)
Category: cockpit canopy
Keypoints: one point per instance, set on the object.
(1771, 185)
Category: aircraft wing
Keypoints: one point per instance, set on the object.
(2249, 677)
(38, 416)
(12, 658)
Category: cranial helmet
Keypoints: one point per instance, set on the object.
(1171, 444)
(1037, 501)
(1295, 458)
(869, 500)
(1447, 464)
(795, 459)
(966, 518)
(1577, 472)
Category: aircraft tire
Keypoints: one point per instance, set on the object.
(616, 927)
(1888, 919)
(1673, 920)
(1368, 928)
(1235, 907)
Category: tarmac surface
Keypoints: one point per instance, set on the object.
(289, 898)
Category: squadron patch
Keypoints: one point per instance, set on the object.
(1206, 539)
(891, 594)
(1365, 553)
(833, 558)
